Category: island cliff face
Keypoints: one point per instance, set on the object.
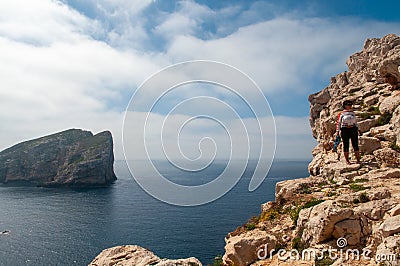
(72, 158)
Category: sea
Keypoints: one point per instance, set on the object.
(56, 226)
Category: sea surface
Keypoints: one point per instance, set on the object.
(71, 226)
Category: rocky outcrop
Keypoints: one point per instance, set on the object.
(135, 255)
(356, 206)
(72, 158)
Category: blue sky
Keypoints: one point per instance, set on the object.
(78, 63)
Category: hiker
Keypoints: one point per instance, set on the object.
(347, 127)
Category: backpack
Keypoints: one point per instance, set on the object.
(348, 119)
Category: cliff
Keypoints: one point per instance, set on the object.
(72, 158)
(344, 209)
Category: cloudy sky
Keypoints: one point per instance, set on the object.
(77, 63)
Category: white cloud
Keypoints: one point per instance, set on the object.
(56, 72)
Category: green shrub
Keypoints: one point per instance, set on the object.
(357, 187)
(325, 261)
(331, 194)
(356, 201)
(394, 146)
(365, 116)
(298, 244)
(363, 197)
(361, 180)
(250, 226)
(269, 215)
(312, 203)
(373, 110)
(384, 119)
(294, 212)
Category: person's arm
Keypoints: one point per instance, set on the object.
(338, 124)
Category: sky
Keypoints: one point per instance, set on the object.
(77, 63)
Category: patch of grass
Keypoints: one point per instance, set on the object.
(294, 212)
(363, 197)
(357, 187)
(332, 181)
(361, 180)
(269, 215)
(217, 261)
(394, 146)
(250, 226)
(312, 203)
(325, 261)
(384, 119)
(331, 194)
(298, 244)
(373, 110)
(365, 116)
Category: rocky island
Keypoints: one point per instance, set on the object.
(72, 158)
(343, 214)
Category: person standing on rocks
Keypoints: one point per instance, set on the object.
(347, 127)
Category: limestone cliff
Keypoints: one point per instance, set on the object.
(72, 158)
(357, 204)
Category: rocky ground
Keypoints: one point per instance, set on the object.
(342, 208)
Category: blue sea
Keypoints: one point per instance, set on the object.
(71, 226)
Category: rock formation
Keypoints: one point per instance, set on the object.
(72, 158)
(355, 207)
(135, 255)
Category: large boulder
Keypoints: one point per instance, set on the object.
(390, 226)
(241, 250)
(73, 158)
(387, 157)
(135, 255)
(389, 104)
(369, 144)
(317, 224)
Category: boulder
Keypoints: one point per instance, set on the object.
(138, 256)
(369, 144)
(366, 125)
(387, 157)
(375, 209)
(349, 229)
(389, 104)
(241, 250)
(389, 246)
(390, 226)
(316, 224)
